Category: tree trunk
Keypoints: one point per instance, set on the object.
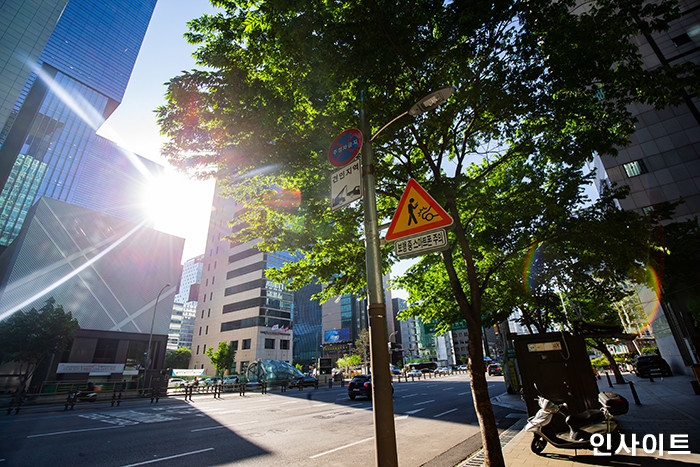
(613, 364)
(493, 455)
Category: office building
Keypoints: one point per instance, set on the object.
(185, 304)
(308, 333)
(661, 164)
(48, 142)
(237, 303)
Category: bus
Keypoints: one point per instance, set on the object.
(424, 367)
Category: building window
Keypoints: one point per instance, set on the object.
(204, 349)
(234, 345)
(646, 210)
(284, 344)
(206, 331)
(202, 313)
(212, 280)
(197, 350)
(208, 313)
(244, 365)
(211, 295)
(246, 344)
(200, 330)
(269, 343)
(634, 168)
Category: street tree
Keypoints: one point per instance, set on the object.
(31, 337)
(348, 361)
(541, 86)
(178, 358)
(222, 358)
(361, 348)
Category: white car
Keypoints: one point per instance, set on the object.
(175, 382)
(414, 373)
(443, 370)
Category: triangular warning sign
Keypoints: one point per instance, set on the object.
(418, 212)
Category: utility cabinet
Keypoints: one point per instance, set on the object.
(556, 366)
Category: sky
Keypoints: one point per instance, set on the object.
(184, 204)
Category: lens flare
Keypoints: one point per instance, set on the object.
(529, 268)
(654, 282)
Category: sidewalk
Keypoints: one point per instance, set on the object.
(669, 407)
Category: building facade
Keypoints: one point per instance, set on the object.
(185, 304)
(237, 303)
(48, 142)
(106, 271)
(662, 164)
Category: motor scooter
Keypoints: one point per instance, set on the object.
(581, 426)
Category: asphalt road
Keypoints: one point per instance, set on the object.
(310, 427)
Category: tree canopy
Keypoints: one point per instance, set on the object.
(178, 358)
(541, 86)
(222, 358)
(29, 337)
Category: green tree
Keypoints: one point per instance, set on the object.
(30, 337)
(541, 87)
(223, 358)
(179, 358)
(348, 361)
(361, 348)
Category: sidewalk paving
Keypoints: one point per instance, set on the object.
(669, 406)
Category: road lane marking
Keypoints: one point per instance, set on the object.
(224, 412)
(464, 393)
(73, 431)
(444, 413)
(448, 389)
(223, 426)
(169, 457)
(342, 447)
(425, 402)
(410, 395)
(355, 404)
(413, 412)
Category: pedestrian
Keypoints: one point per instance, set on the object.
(241, 385)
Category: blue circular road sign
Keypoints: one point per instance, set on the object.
(345, 147)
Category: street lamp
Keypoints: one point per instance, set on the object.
(383, 407)
(150, 335)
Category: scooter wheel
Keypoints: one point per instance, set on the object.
(538, 444)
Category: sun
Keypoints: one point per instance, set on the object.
(175, 204)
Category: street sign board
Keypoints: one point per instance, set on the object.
(417, 213)
(346, 185)
(345, 147)
(421, 244)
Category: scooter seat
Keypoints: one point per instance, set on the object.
(589, 417)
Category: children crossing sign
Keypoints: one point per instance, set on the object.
(417, 213)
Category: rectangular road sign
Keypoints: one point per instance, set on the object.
(346, 185)
(422, 244)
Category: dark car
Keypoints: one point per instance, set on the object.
(361, 385)
(495, 370)
(304, 381)
(649, 365)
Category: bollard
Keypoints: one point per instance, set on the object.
(634, 394)
(119, 398)
(330, 383)
(607, 375)
(651, 377)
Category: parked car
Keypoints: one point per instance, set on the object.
(395, 370)
(462, 367)
(414, 373)
(175, 382)
(653, 364)
(304, 381)
(443, 370)
(361, 385)
(495, 370)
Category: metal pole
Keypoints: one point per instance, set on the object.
(383, 405)
(150, 335)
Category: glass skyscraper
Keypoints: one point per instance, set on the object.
(48, 136)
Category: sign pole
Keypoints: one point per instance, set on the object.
(383, 405)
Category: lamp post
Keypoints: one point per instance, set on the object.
(383, 406)
(150, 335)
